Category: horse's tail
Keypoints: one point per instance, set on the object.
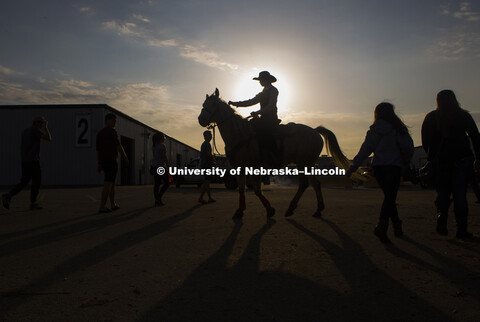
(333, 148)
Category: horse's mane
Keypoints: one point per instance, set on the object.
(240, 123)
(234, 111)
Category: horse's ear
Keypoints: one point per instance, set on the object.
(207, 95)
(217, 94)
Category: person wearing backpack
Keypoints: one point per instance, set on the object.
(390, 142)
(445, 140)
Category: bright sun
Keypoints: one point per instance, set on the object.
(248, 88)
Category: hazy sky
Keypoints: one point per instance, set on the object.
(156, 60)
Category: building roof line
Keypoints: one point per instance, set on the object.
(97, 106)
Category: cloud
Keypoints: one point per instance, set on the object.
(463, 12)
(163, 43)
(125, 28)
(206, 57)
(140, 100)
(146, 102)
(455, 46)
(140, 17)
(195, 52)
(9, 72)
(85, 10)
(459, 41)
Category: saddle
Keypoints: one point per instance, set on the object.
(271, 143)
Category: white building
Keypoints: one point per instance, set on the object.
(70, 159)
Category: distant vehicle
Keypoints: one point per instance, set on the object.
(221, 162)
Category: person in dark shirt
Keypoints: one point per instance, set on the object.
(30, 152)
(160, 159)
(206, 162)
(445, 137)
(266, 125)
(108, 147)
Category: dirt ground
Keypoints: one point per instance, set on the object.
(191, 262)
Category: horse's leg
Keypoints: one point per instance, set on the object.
(318, 190)
(257, 188)
(302, 186)
(241, 202)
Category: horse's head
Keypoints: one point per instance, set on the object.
(209, 112)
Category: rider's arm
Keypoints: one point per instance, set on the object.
(249, 102)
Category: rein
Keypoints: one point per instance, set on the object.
(212, 127)
(215, 124)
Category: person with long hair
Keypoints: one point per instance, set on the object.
(390, 142)
(159, 160)
(446, 135)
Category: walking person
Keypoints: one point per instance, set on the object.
(445, 138)
(108, 146)
(159, 160)
(389, 140)
(30, 156)
(207, 161)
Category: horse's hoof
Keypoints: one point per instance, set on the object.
(317, 214)
(238, 214)
(270, 212)
(289, 212)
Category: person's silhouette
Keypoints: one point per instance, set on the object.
(265, 121)
(159, 160)
(446, 136)
(31, 170)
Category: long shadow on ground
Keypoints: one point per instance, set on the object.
(466, 279)
(375, 295)
(68, 231)
(215, 292)
(93, 256)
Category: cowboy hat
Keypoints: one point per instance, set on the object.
(265, 76)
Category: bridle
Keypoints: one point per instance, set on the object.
(216, 104)
(213, 125)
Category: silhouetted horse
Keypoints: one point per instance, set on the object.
(300, 145)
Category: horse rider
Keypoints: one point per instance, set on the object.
(266, 125)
